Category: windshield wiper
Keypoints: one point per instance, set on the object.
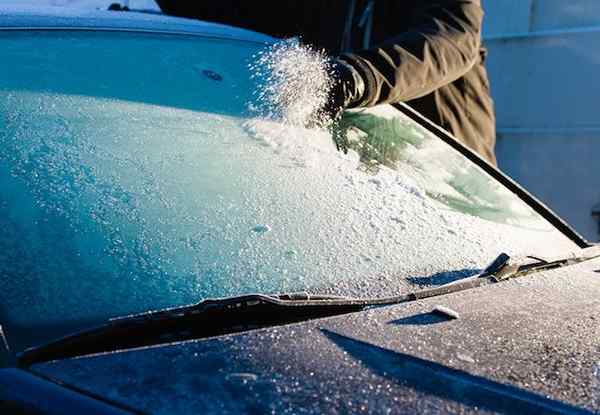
(211, 317)
(215, 317)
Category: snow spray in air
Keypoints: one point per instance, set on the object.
(293, 84)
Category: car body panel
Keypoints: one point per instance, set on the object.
(13, 17)
(534, 337)
(24, 393)
(143, 172)
(529, 345)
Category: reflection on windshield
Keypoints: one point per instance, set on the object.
(146, 185)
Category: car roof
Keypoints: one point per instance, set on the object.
(72, 18)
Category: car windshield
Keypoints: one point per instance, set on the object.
(134, 177)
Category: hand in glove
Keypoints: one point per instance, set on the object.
(346, 92)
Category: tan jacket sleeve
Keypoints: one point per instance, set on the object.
(441, 46)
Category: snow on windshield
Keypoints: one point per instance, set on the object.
(146, 184)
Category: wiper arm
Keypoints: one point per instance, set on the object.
(504, 268)
(215, 317)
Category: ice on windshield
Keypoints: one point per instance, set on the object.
(142, 182)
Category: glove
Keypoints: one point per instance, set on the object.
(346, 92)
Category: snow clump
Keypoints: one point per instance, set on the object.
(293, 84)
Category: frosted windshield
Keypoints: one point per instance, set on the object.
(133, 178)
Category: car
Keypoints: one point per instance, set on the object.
(166, 248)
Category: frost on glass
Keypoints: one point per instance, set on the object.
(135, 181)
(383, 137)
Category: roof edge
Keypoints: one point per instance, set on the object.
(39, 18)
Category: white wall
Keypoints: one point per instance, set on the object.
(544, 68)
(521, 16)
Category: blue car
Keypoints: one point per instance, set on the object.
(166, 248)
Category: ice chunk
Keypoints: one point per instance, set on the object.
(261, 229)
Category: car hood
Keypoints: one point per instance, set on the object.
(531, 341)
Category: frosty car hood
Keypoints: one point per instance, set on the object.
(514, 344)
(18, 17)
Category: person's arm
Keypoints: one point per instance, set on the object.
(443, 44)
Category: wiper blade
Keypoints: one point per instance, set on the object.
(213, 317)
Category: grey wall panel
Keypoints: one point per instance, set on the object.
(546, 82)
(563, 171)
(564, 14)
(506, 16)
